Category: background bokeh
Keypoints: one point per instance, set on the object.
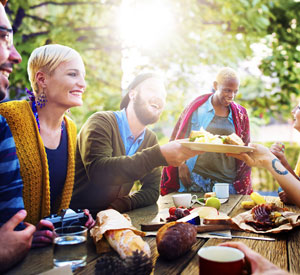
(187, 41)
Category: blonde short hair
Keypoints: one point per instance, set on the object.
(47, 58)
(227, 74)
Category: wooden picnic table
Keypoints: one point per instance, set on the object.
(284, 252)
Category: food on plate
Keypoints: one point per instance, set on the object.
(206, 211)
(119, 232)
(210, 194)
(213, 202)
(220, 218)
(206, 196)
(175, 239)
(203, 200)
(257, 198)
(172, 210)
(248, 204)
(267, 216)
(204, 136)
(233, 139)
(177, 213)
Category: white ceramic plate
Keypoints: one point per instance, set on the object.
(216, 148)
(221, 201)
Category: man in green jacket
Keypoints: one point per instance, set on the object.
(115, 149)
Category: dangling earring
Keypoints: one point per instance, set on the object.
(41, 99)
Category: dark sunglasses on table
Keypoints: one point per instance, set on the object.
(6, 35)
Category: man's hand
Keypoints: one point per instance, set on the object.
(90, 222)
(44, 234)
(175, 153)
(14, 244)
(260, 157)
(259, 264)
(185, 175)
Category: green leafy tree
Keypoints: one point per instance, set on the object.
(283, 64)
(205, 33)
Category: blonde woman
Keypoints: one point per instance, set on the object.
(45, 138)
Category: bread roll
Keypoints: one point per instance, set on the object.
(125, 242)
(175, 239)
(119, 233)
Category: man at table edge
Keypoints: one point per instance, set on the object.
(115, 149)
(14, 245)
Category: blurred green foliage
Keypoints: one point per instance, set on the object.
(207, 33)
(87, 26)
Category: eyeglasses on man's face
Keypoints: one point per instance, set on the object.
(6, 36)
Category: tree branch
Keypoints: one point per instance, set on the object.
(18, 19)
(203, 2)
(214, 22)
(89, 28)
(63, 4)
(38, 18)
(106, 49)
(25, 37)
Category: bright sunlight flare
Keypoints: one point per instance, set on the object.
(145, 23)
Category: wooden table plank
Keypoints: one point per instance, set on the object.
(37, 261)
(41, 259)
(293, 246)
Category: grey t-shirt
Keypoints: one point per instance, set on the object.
(216, 166)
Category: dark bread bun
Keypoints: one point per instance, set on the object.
(175, 239)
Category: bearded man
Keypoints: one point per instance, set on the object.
(115, 149)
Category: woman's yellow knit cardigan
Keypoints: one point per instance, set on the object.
(297, 168)
(33, 160)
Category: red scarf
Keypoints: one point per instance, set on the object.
(242, 184)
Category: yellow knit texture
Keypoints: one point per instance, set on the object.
(297, 168)
(33, 160)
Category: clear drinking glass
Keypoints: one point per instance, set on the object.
(69, 246)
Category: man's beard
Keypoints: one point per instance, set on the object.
(142, 113)
(3, 85)
(2, 93)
